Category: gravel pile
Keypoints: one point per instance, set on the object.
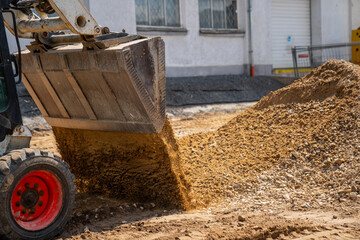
(299, 145)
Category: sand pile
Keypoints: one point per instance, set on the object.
(303, 136)
(137, 167)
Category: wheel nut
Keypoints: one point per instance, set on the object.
(36, 185)
(18, 204)
(32, 211)
(27, 185)
(19, 193)
(23, 211)
(41, 193)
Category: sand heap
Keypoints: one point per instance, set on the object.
(311, 127)
(137, 167)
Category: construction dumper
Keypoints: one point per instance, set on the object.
(104, 95)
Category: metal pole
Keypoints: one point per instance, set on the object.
(251, 51)
(296, 67)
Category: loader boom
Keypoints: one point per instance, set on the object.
(33, 16)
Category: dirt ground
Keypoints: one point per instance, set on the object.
(254, 216)
(287, 167)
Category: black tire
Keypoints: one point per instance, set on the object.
(13, 167)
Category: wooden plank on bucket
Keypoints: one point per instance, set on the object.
(34, 96)
(50, 89)
(77, 89)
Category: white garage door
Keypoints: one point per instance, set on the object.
(290, 27)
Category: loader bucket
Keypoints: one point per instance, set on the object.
(118, 89)
(107, 110)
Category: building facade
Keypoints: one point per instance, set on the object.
(211, 37)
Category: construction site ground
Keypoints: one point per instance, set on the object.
(252, 217)
(286, 167)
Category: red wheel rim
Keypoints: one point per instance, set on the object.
(37, 200)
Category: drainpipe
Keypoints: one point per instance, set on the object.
(251, 51)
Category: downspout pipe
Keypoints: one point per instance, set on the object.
(251, 51)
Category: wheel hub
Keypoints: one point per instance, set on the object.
(37, 200)
(29, 198)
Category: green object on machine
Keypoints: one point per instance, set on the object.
(4, 100)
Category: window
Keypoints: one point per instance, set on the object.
(218, 14)
(158, 13)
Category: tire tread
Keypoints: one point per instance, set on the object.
(11, 161)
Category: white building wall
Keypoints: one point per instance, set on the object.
(261, 22)
(336, 20)
(191, 54)
(194, 54)
(331, 21)
(355, 14)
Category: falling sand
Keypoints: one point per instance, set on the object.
(137, 167)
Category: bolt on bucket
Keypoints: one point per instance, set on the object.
(118, 89)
